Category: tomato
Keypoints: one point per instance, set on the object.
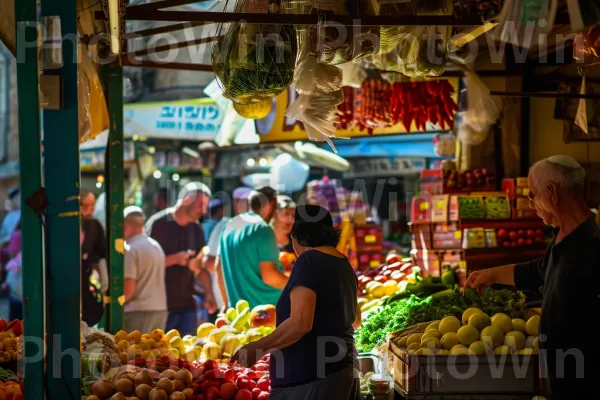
(261, 367)
(212, 394)
(210, 364)
(3, 324)
(259, 374)
(252, 384)
(263, 384)
(243, 382)
(228, 391)
(243, 394)
(230, 375)
(264, 396)
(199, 397)
(216, 383)
(255, 393)
(251, 374)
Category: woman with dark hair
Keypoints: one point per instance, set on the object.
(312, 350)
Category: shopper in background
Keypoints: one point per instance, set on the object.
(94, 248)
(248, 263)
(92, 306)
(282, 222)
(144, 285)
(180, 235)
(12, 206)
(14, 280)
(240, 197)
(312, 350)
(215, 215)
(567, 277)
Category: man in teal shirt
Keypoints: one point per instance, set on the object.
(248, 265)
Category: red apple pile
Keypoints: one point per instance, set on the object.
(519, 237)
(470, 179)
(393, 269)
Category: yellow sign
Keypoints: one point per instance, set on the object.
(276, 127)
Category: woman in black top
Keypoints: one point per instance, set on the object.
(312, 350)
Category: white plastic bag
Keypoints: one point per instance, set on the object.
(319, 86)
(471, 136)
(522, 22)
(483, 109)
(352, 74)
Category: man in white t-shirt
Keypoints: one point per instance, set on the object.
(144, 286)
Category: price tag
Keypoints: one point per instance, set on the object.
(525, 191)
(462, 265)
(436, 264)
(457, 235)
(424, 206)
(441, 204)
(370, 239)
(374, 264)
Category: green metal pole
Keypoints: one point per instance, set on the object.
(30, 163)
(115, 195)
(62, 179)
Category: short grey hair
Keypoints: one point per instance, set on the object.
(561, 170)
(194, 189)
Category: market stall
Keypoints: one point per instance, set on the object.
(394, 87)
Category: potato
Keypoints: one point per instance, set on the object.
(102, 389)
(142, 391)
(125, 386)
(179, 386)
(177, 396)
(118, 396)
(166, 385)
(143, 377)
(184, 376)
(168, 374)
(157, 394)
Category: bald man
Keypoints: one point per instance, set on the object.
(566, 277)
(144, 285)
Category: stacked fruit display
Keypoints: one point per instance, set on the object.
(476, 334)
(471, 179)
(11, 347)
(519, 237)
(217, 341)
(208, 381)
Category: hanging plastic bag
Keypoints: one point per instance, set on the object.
(255, 62)
(423, 52)
(470, 136)
(320, 91)
(522, 22)
(583, 13)
(483, 109)
(444, 145)
(352, 74)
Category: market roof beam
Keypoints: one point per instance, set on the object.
(128, 62)
(168, 47)
(159, 5)
(162, 29)
(297, 19)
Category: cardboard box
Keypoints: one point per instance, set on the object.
(421, 209)
(440, 208)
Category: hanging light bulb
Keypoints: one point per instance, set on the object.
(98, 185)
(262, 162)
(250, 162)
(157, 174)
(175, 177)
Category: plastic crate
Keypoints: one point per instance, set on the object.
(464, 377)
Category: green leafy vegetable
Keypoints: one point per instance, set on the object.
(407, 312)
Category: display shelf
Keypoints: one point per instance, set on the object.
(511, 256)
(501, 223)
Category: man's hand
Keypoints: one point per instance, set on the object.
(247, 356)
(486, 277)
(183, 257)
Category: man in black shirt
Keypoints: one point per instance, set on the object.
(567, 277)
(181, 237)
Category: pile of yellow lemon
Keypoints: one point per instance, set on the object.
(476, 334)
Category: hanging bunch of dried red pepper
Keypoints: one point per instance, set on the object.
(422, 102)
(374, 111)
(345, 110)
